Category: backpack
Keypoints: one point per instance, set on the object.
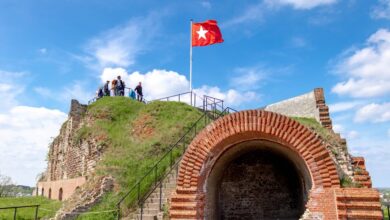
(132, 94)
(120, 84)
(100, 92)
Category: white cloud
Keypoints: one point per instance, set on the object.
(162, 83)
(206, 4)
(253, 13)
(257, 12)
(156, 83)
(231, 97)
(25, 133)
(382, 10)
(120, 46)
(367, 69)
(76, 90)
(10, 88)
(300, 4)
(352, 134)
(349, 134)
(298, 42)
(248, 78)
(344, 106)
(374, 113)
(42, 51)
(338, 128)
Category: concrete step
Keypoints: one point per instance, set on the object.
(361, 215)
(148, 217)
(154, 200)
(153, 205)
(184, 198)
(152, 211)
(360, 206)
(183, 214)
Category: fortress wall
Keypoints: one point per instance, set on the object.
(308, 105)
(69, 162)
(299, 106)
(68, 187)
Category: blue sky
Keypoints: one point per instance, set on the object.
(52, 51)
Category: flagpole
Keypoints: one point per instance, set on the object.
(191, 56)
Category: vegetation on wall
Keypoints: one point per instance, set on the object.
(132, 137)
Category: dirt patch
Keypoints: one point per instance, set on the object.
(143, 127)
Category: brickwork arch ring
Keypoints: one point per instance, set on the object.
(204, 151)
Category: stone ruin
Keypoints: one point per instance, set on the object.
(255, 164)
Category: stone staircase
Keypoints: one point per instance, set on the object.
(358, 204)
(182, 206)
(151, 209)
(322, 108)
(360, 174)
(324, 114)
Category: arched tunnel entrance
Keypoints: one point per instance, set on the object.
(255, 165)
(257, 180)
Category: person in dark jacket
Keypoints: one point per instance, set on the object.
(106, 89)
(138, 90)
(120, 87)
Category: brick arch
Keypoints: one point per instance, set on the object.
(241, 126)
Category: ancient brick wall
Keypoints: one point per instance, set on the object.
(71, 158)
(251, 176)
(67, 186)
(198, 176)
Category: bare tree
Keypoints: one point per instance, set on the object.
(6, 186)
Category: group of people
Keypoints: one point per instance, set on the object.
(117, 88)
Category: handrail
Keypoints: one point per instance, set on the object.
(15, 208)
(384, 206)
(159, 178)
(171, 96)
(170, 149)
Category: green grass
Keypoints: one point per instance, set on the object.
(134, 136)
(328, 136)
(313, 124)
(333, 144)
(47, 207)
(385, 213)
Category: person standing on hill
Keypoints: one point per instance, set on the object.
(106, 90)
(113, 87)
(138, 89)
(120, 86)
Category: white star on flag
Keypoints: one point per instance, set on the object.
(202, 33)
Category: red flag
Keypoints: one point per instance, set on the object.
(206, 33)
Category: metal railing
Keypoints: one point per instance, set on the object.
(154, 178)
(386, 207)
(190, 98)
(15, 208)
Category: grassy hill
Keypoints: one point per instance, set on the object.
(47, 207)
(133, 136)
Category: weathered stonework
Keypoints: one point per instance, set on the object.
(60, 189)
(70, 159)
(88, 195)
(199, 175)
(308, 105)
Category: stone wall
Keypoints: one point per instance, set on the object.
(308, 105)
